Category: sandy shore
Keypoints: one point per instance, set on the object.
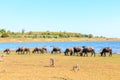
(37, 67)
(56, 39)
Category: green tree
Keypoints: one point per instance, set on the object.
(90, 36)
(2, 31)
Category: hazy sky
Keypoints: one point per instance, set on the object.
(99, 17)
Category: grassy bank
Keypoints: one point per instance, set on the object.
(56, 39)
(36, 67)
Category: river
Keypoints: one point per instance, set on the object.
(63, 45)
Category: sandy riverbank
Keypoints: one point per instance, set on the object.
(37, 67)
(56, 39)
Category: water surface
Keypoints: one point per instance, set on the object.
(97, 45)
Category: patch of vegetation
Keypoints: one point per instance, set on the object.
(4, 35)
(46, 34)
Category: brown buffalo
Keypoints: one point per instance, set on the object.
(44, 50)
(69, 51)
(106, 50)
(87, 49)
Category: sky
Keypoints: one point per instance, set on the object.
(97, 17)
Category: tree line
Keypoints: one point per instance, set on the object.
(47, 34)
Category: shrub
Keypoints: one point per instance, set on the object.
(4, 35)
(90, 36)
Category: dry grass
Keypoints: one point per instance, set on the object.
(36, 67)
(56, 39)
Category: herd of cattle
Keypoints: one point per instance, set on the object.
(79, 51)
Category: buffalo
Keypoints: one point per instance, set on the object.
(87, 49)
(23, 50)
(40, 50)
(20, 50)
(56, 50)
(7, 51)
(106, 50)
(26, 50)
(69, 51)
(37, 50)
(44, 50)
(78, 50)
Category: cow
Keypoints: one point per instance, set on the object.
(106, 50)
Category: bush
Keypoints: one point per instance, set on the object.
(4, 35)
(90, 36)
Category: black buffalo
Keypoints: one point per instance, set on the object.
(69, 51)
(56, 50)
(87, 49)
(23, 50)
(37, 50)
(78, 50)
(40, 50)
(20, 50)
(106, 50)
(26, 50)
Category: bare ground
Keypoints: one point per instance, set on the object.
(37, 67)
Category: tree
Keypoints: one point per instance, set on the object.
(2, 31)
(90, 36)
